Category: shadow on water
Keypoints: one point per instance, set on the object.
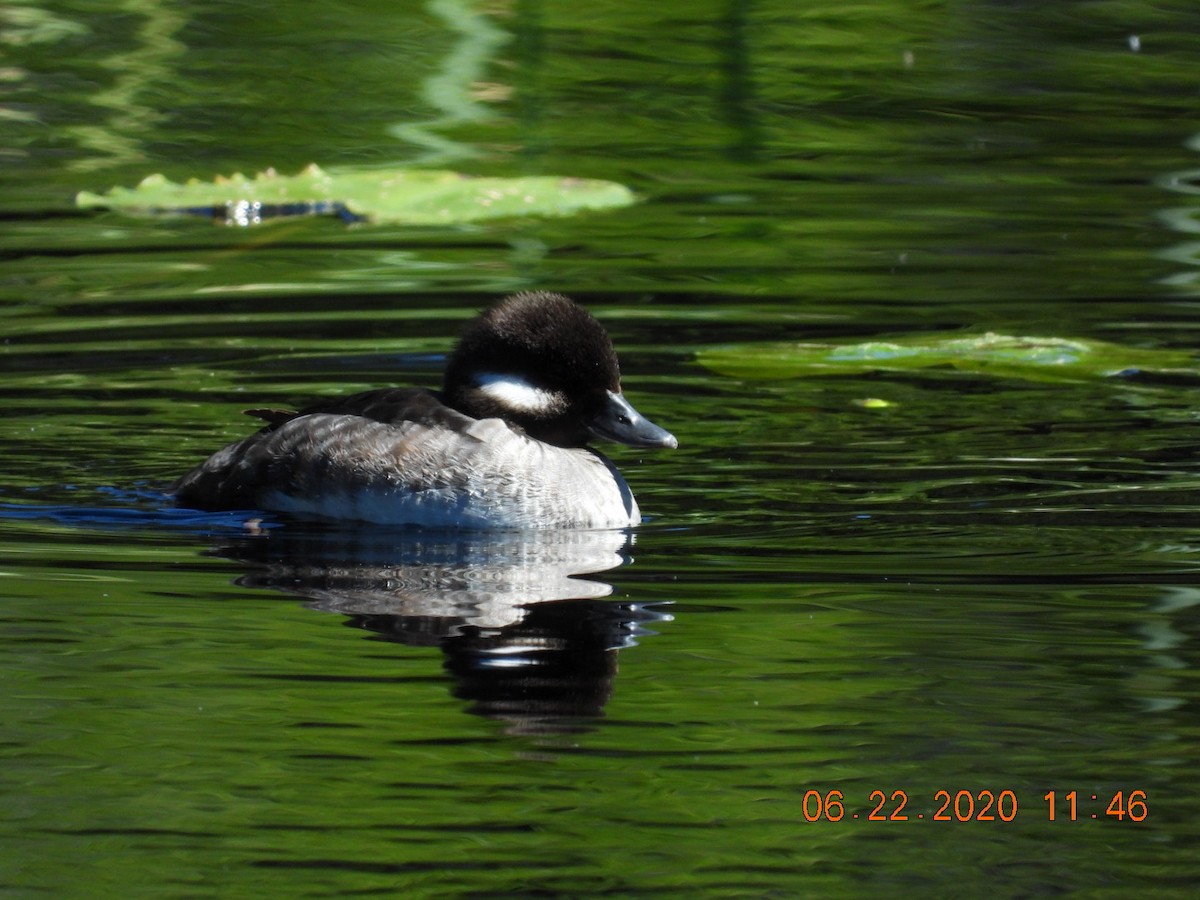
(527, 641)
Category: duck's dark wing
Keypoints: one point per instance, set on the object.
(391, 406)
(278, 454)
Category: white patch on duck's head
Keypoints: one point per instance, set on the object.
(517, 394)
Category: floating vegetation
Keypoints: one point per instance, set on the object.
(389, 196)
(1034, 358)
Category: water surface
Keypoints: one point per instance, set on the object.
(980, 584)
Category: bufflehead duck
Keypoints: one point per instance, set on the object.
(502, 446)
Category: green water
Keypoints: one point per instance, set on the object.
(920, 581)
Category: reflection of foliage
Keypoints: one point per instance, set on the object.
(400, 196)
(456, 88)
(1033, 358)
(119, 139)
(20, 25)
(1186, 220)
(146, 84)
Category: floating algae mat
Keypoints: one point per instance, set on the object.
(1034, 358)
(395, 196)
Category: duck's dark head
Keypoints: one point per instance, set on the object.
(541, 361)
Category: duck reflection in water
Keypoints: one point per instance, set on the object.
(526, 641)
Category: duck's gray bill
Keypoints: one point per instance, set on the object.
(620, 422)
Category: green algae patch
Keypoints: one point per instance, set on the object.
(395, 196)
(1032, 358)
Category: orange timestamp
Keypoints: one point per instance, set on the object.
(976, 806)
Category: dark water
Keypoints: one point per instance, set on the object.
(984, 584)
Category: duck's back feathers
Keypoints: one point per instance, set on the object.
(388, 405)
(233, 477)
